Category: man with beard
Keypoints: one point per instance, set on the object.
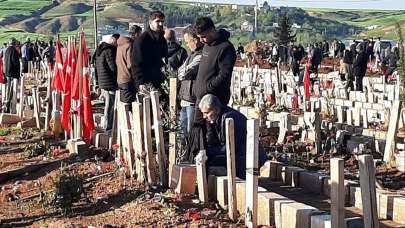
(148, 53)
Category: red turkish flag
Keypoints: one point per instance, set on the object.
(59, 76)
(68, 70)
(307, 81)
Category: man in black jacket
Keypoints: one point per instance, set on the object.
(176, 53)
(106, 76)
(11, 71)
(216, 66)
(148, 52)
(360, 67)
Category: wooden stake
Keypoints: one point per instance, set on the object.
(115, 131)
(36, 108)
(200, 160)
(231, 172)
(337, 192)
(160, 144)
(368, 191)
(252, 172)
(48, 103)
(150, 164)
(125, 127)
(138, 142)
(392, 130)
(172, 152)
(173, 115)
(22, 88)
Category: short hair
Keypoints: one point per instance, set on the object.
(115, 36)
(135, 29)
(156, 14)
(203, 24)
(191, 31)
(210, 101)
(170, 35)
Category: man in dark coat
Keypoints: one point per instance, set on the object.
(215, 114)
(216, 66)
(360, 67)
(11, 71)
(106, 76)
(148, 53)
(176, 53)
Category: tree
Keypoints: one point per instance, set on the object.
(283, 33)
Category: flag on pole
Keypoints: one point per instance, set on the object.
(88, 122)
(59, 76)
(67, 68)
(307, 81)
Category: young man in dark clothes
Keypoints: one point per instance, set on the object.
(216, 66)
(148, 52)
(106, 76)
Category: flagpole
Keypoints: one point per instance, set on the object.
(80, 76)
(95, 23)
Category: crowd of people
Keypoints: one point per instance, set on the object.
(356, 57)
(145, 59)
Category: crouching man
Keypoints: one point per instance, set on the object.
(215, 115)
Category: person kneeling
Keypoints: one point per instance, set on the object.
(215, 114)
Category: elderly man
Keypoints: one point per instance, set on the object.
(187, 74)
(215, 115)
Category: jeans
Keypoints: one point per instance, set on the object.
(109, 97)
(186, 118)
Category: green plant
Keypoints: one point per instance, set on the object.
(36, 149)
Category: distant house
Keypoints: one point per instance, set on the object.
(295, 26)
(179, 31)
(371, 27)
(234, 7)
(246, 27)
(275, 25)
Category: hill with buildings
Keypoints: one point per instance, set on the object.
(46, 18)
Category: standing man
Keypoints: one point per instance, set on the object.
(187, 75)
(106, 76)
(11, 71)
(360, 67)
(148, 53)
(126, 82)
(26, 55)
(216, 66)
(176, 53)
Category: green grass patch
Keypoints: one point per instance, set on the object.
(21, 7)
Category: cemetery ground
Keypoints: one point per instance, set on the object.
(46, 182)
(78, 191)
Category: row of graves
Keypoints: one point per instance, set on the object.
(339, 146)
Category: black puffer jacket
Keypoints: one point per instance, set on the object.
(216, 66)
(147, 54)
(176, 55)
(12, 62)
(106, 67)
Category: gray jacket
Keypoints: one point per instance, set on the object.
(187, 74)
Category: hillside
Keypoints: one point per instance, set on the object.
(47, 17)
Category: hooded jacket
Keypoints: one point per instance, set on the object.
(106, 67)
(147, 54)
(216, 66)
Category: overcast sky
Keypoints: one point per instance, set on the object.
(335, 4)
